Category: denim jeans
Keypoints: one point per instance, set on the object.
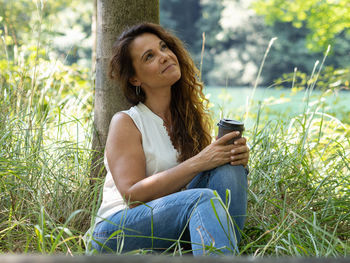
(182, 216)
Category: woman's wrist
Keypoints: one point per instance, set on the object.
(193, 165)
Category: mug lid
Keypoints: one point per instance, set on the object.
(232, 121)
(228, 123)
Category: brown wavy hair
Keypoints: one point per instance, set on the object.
(191, 121)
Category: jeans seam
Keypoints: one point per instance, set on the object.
(206, 236)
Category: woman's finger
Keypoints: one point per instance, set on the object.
(240, 141)
(239, 156)
(238, 150)
(224, 139)
(239, 162)
(241, 159)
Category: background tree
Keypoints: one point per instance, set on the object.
(325, 20)
(25, 24)
(197, 16)
(182, 16)
(237, 36)
(112, 17)
(305, 29)
(237, 46)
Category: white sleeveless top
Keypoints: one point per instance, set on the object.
(159, 152)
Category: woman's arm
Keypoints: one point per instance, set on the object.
(127, 163)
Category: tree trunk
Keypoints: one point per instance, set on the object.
(112, 18)
(94, 38)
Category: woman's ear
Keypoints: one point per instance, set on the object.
(134, 81)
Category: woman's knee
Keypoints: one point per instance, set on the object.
(230, 169)
(199, 196)
(230, 174)
(207, 200)
(202, 193)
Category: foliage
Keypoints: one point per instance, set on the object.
(30, 23)
(299, 178)
(190, 11)
(203, 16)
(44, 158)
(332, 79)
(236, 38)
(299, 188)
(326, 20)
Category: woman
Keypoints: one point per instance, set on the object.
(162, 167)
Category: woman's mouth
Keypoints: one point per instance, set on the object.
(168, 67)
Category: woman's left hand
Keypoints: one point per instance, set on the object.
(240, 154)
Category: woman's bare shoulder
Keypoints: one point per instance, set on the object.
(124, 152)
(121, 118)
(122, 125)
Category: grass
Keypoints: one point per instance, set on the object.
(45, 196)
(299, 170)
(299, 183)
(299, 191)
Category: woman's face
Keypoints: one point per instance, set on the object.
(155, 65)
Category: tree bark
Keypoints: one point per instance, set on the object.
(94, 38)
(112, 18)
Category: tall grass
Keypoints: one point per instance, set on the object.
(45, 127)
(299, 191)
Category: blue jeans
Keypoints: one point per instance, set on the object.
(182, 216)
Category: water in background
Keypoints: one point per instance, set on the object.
(230, 102)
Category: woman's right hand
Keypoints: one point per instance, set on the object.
(217, 153)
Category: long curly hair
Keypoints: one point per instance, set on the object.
(191, 123)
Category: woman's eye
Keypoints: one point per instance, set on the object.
(164, 46)
(149, 56)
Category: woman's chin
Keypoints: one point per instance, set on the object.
(177, 78)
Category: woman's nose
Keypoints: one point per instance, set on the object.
(163, 57)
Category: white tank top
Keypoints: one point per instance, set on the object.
(159, 152)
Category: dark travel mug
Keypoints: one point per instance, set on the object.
(227, 125)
